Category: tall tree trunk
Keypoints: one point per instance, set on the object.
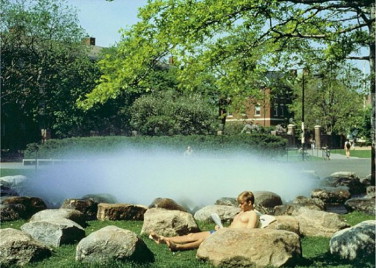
(372, 84)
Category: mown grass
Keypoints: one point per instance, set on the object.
(17, 171)
(315, 250)
(354, 153)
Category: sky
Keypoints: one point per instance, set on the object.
(103, 20)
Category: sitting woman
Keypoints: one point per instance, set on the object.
(246, 218)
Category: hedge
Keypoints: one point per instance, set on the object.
(263, 144)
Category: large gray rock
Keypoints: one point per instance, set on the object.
(286, 223)
(311, 203)
(166, 203)
(19, 248)
(319, 223)
(115, 212)
(348, 179)
(227, 201)
(54, 232)
(6, 191)
(267, 200)
(371, 193)
(332, 195)
(20, 207)
(366, 205)
(241, 247)
(292, 209)
(112, 243)
(87, 206)
(168, 222)
(356, 242)
(226, 213)
(14, 182)
(101, 198)
(62, 213)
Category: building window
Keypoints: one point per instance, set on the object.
(275, 109)
(282, 110)
(257, 110)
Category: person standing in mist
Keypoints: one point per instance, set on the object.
(247, 218)
(347, 148)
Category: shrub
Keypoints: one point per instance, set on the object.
(263, 144)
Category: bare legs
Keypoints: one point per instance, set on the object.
(184, 242)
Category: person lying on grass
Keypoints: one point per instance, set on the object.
(246, 218)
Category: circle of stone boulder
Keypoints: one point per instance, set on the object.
(286, 223)
(14, 182)
(241, 247)
(366, 181)
(332, 195)
(115, 212)
(87, 206)
(267, 199)
(366, 205)
(356, 242)
(7, 191)
(64, 213)
(371, 192)
(311, 203)
(54, 232)
(318, 223)
(166, 203)
(101, 198)
(112, 243)
(225, 213)
(168, 222)
(19, 248)
(227, 201)
(22, 206)
(348, 179)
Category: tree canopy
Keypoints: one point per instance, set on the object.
(233, 40)
(44, 68)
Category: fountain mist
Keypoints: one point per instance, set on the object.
(138, 177)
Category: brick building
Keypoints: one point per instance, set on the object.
(270, 108)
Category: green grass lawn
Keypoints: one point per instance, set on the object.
(354, 153)
(14, 171)
(315, 250)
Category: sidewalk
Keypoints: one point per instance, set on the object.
(321, 153)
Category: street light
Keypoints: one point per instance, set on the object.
(303, 132)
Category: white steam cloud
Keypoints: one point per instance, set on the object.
(138, 177)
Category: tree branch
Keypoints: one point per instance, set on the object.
(358, 58)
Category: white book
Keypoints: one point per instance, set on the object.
(217, 219)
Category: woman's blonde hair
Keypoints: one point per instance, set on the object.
(246, 196)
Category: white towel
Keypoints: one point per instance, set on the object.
(265, 220)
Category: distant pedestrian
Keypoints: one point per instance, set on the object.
(347, 148)
(312, 141)
(189, 151)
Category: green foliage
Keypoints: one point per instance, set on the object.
(166, 113)
(45, 68)
(230, 43)
(264, 144)
(331, 98)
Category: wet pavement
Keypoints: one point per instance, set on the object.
(323, 168)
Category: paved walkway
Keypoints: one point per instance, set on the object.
(321, 153)
(338, 162)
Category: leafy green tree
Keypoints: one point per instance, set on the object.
(169, 113)
(44, 68)
(332, 98)
(283, 32)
